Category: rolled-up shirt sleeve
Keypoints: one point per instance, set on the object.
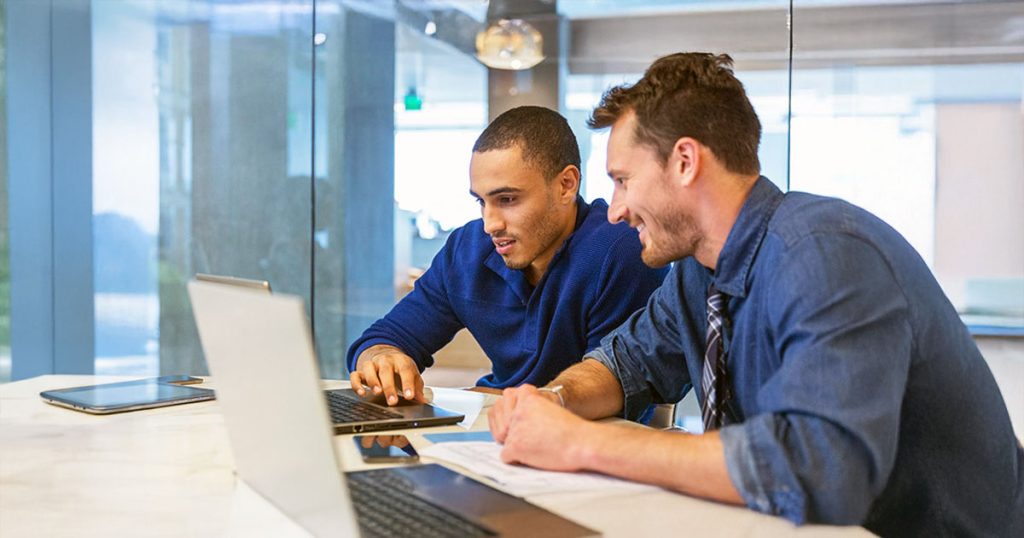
(824, 441)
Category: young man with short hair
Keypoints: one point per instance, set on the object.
(538, 281)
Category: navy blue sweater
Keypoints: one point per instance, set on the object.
(594, 282)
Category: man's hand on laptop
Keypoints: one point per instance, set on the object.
(386, 370)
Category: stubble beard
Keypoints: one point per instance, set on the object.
(680, 240)
(546, 232)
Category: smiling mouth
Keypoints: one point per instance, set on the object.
(503, 246)
(640, 227)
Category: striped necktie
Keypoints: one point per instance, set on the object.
(714, 380)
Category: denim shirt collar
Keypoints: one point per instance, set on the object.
(516, 278)
(744, 240)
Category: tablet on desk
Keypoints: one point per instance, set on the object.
(129, 395)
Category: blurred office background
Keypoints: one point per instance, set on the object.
(323, 145)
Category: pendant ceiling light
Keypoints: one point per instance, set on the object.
(510, 44)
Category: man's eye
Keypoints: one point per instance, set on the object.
(506, 200)
(479, 202)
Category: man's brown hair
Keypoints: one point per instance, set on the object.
(693, 94)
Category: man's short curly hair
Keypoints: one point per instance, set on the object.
(542, 135)
(689, 95)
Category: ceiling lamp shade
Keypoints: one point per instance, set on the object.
(510, 44)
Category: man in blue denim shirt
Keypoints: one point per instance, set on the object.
(853, 393)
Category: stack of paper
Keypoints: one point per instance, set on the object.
(484, 459)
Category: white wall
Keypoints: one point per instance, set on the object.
(1005, 356)
(979, 201)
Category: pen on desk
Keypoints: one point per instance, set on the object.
(557, 391)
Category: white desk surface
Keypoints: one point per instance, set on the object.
(168, 472)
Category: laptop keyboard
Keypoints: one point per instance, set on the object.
(385, 507)
(345, 409)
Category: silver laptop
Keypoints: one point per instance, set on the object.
(282, 443)
(349, 412)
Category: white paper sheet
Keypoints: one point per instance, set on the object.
(484, 459)
(459, 401)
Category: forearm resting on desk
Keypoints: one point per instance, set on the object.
(590, 390)
(690, 464)
(536, 431)
(539, 433)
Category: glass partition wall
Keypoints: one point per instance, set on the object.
(323, 145)
(202, 125)
(915, 113)
(755, 34)
(5, 273)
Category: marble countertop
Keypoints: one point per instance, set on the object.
(168, 472)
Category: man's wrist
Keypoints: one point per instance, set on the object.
(377, 349)
(586, 444)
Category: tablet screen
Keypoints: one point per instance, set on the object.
(127, 394)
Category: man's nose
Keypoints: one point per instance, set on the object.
(493, 222)
(617, 211)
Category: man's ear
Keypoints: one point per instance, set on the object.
(685, 160)
(568, 183)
